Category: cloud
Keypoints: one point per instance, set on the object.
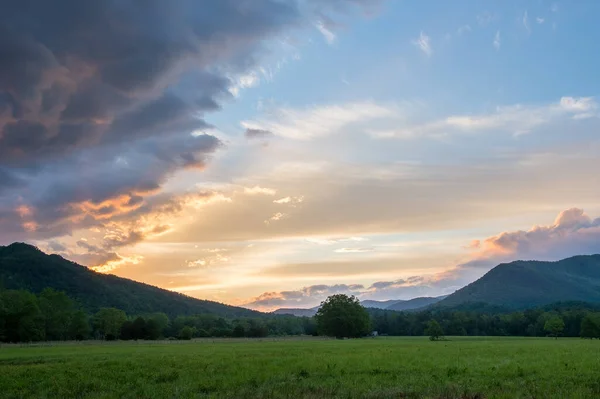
(464, 29)
(423, 42)
(515, 119)
(259, 190)
(572, 233)
(113, 100)
(525, 22)
(327, 34)
(275, 217)
(539, 20)
(257, 133)
(293, 201)
(354, 250)
(56, 246)
(485, 18)
(331, 241)
(305, 297)
(497, 40)
(319, 121)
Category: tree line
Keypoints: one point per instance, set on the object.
(52, 316)
(562, 319)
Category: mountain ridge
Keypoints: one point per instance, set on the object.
(523, 284)
(24, 266)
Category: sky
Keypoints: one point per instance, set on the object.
(270, 153)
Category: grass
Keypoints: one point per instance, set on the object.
(366, 368)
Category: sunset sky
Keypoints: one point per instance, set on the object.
(268, 153)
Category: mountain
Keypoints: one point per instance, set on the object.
(392, 304)
(380, 304)
(415, 303)
(524, 284)
(297, 312)
(23, 266)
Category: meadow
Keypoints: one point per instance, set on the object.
(383, 367)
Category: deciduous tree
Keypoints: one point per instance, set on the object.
(343, 316)
(434, 330)
(554, 326)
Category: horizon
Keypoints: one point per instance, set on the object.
(270, 154)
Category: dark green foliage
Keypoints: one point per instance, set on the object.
(162, 323)
(127, 330)
(526, 284)
(554, 326)
(590, 326)
(57, 310)
(138, 328)
(187, 333)
(153, 330)
(108, 323)
(343, 316)
(22, 319)
(25, 267)
(239, 331)
(79, 327)
(434, 330)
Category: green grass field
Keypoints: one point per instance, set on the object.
(364, 368)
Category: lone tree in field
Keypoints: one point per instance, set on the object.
(343, 316)
(554, 326)
(434, 330)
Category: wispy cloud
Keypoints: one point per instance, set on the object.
(464, 29)
(303, 124)
(424, 43)
(326, 32)
(525, 21)
(540, 20)
(497, 40)
(517, 119)
(259, 190)
(354, 250)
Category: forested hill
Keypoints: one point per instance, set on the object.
(525, 284)
(23, 266)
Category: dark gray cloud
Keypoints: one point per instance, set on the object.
(98, 99)
(257, 133)
(56, 246)
(94, 256)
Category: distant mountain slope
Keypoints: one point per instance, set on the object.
(524, 284)
(380, 304)
(297, 312)
(415, 303)
(23, 266)
(392, 304)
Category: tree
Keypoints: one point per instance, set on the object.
(108, 322)
(57, 310)
(23, 320)
(138, 329)
(590, 327)
(187, 333)
(79, 326)
(239, 331)
(153, 330)
(554, 326)
(127, 330)
(434, 330)
(162, 321)
(343, 316)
